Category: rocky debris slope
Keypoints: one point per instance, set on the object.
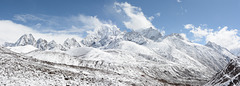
(229, 76)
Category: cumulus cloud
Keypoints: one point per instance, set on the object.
(10, 32)
(198, 31)
(189, 26)
(91, 22)
(137, 19)
(228, 38)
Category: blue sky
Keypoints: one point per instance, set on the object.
(206, 17)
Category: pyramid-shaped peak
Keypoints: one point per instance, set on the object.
(150, 33)
(70, 43)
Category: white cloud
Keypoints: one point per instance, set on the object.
(188, 26)
(10, 32)
(90, 22)
(137, 19)
(223, 36)
(198, 31)
(226, 38)
(61, 25)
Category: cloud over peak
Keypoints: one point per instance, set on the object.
(136, 18)
(228, 38)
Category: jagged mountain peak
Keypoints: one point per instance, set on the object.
(134, 37)
(102, 36)
(150, 33)
(70, 43)
(26, 39)
(52, 45)
(41, 44)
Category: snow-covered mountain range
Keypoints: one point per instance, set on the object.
(108, 56)
(42, 44)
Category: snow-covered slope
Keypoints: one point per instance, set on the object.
(137, 57)
(17, 69)
(229, 76)
(20, 70)
(23, 49)
(221, 50)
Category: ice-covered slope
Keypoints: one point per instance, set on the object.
(229, 76)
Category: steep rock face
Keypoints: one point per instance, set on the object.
(71, 43)
(102, 36)
(229, 76)
(25, 40)
(150, 33)
(41, 44)
(134, 37)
